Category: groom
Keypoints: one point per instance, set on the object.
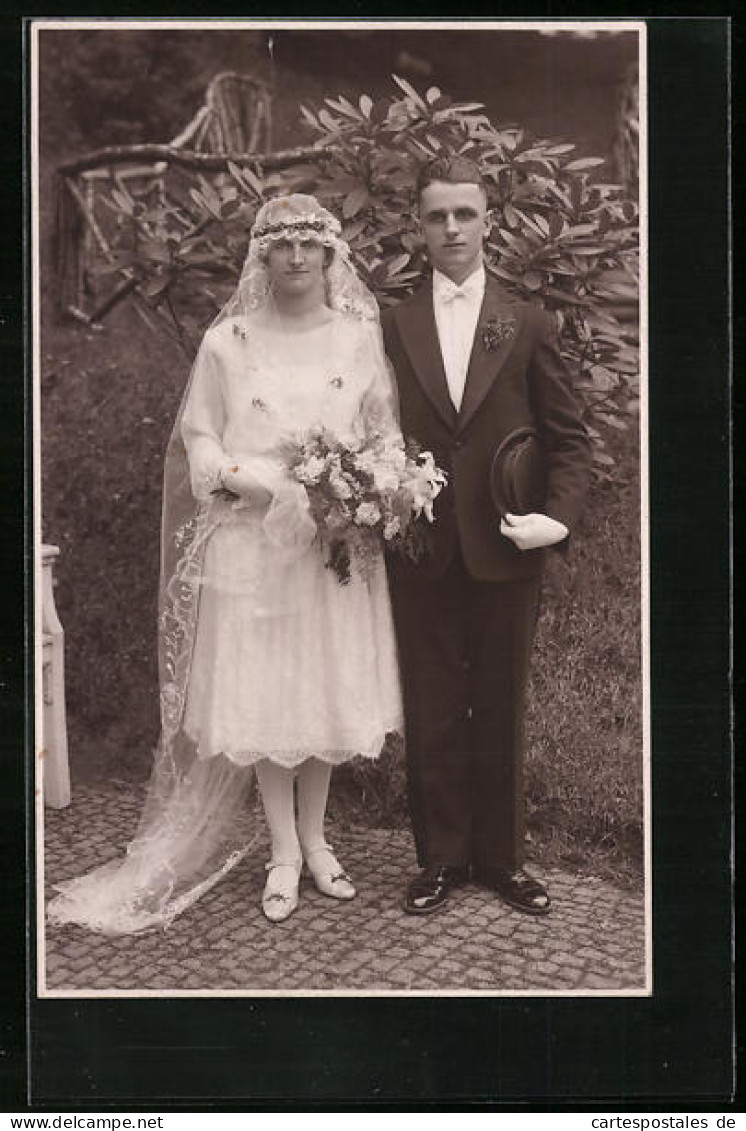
(472, 365)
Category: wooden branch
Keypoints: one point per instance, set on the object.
(80, 315)
(101, 239)
(152, 315)
(187, 134)
(209, 162)
(126, 287)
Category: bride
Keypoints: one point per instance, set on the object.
(268, 665)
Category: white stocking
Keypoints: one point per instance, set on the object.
(313, 790)
(276, 788)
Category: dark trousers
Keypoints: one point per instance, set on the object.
(464, 648)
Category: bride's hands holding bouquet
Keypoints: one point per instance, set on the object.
(246, 485)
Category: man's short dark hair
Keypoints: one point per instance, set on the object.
(452, 170)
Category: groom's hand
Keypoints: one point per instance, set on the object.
(533, 531)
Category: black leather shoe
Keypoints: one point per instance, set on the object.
(429, 891)
(520, 890)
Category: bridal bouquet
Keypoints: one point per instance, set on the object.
(362, 493)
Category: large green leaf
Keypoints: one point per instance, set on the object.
(584, 163)
(355, 202)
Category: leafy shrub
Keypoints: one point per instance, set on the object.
(558, 236)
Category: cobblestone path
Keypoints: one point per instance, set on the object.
(594, 939)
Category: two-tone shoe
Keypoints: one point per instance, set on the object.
(518, 890)
(429, 891)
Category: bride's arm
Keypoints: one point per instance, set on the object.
(203, 424)
(380, 406)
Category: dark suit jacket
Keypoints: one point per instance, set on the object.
(519, 381)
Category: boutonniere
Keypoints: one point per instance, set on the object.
(497, 329)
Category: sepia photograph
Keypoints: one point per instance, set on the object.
(341, 508)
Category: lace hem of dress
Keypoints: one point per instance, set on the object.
(295, 757)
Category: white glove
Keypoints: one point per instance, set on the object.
(533, 531)
(242, 482)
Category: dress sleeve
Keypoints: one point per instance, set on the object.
(380, 407)
(203, 424)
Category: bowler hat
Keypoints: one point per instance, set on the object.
(518, 473)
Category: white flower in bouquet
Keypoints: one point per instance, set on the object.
(422, 502)
(387, 465)
(386, 478)
(365, 460)
(340, 485)
(310, 471)
(396, 455)
(367, 514)
(426, 461)
(424, 483)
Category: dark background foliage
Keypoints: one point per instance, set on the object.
(109, 397)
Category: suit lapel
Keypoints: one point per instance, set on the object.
(488, 357)
(419, 334)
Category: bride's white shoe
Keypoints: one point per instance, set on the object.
(280, 896)
(328, 874)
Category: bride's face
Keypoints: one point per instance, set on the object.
(296, 266)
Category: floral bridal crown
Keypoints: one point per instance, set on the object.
(297, 215)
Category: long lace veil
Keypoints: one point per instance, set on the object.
(197, 821)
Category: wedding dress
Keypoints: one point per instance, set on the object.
(262, 652)
(287, 663)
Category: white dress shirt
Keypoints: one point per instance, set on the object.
(456, 315)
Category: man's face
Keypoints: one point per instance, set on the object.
(453, 218)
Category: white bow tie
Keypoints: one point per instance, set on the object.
(448, 291)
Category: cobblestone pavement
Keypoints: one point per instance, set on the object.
(592, 941)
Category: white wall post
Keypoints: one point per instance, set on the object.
(56, 769)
